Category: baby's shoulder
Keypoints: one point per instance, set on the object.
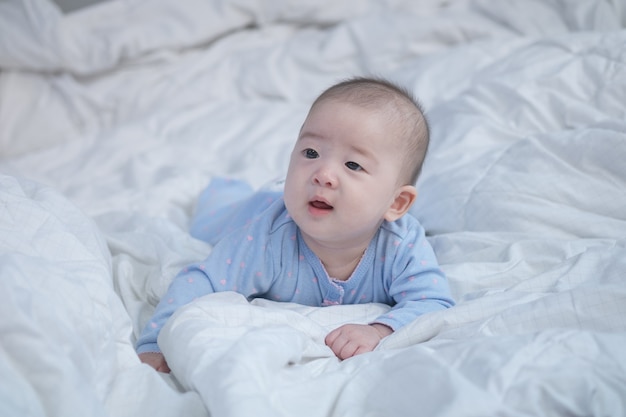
(273, 225)
(403, 243)
(264, 213)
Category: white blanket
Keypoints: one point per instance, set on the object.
(214, 346)
(114, 117)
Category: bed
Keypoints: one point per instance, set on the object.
(114, 117)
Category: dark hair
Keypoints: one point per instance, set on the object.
(403, 109)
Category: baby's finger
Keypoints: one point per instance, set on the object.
(163, 367)
(348, 350)
(332, 337)
(338, 344)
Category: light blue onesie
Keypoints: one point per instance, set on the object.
(259, 252)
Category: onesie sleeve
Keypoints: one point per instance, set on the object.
(236, 263)
(189, 284)
(416, 283)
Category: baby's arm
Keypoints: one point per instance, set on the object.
(237, 263)
(186, 286)
(416, 283)
(353, 339)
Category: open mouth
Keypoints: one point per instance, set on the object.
(320, 205)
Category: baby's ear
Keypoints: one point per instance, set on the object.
(405, 197)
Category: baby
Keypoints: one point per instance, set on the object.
(340, 233)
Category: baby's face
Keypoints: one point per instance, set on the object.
(343, 174)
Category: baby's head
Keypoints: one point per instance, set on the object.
(355, 162)
(411, 134)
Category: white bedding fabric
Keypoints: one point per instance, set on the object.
(114, 117)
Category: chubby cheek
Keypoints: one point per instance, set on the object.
(288, 195)
(297, 176)
(294, 165)
(292, 192)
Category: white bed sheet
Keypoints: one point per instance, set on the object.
(114, 117)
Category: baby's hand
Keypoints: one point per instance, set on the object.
(155, 360)
(353, 339)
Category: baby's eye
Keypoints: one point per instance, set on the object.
(354, 166)
(310, 153)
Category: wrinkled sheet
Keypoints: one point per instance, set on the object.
(114, 117)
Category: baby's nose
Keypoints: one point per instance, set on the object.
(325, 178)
